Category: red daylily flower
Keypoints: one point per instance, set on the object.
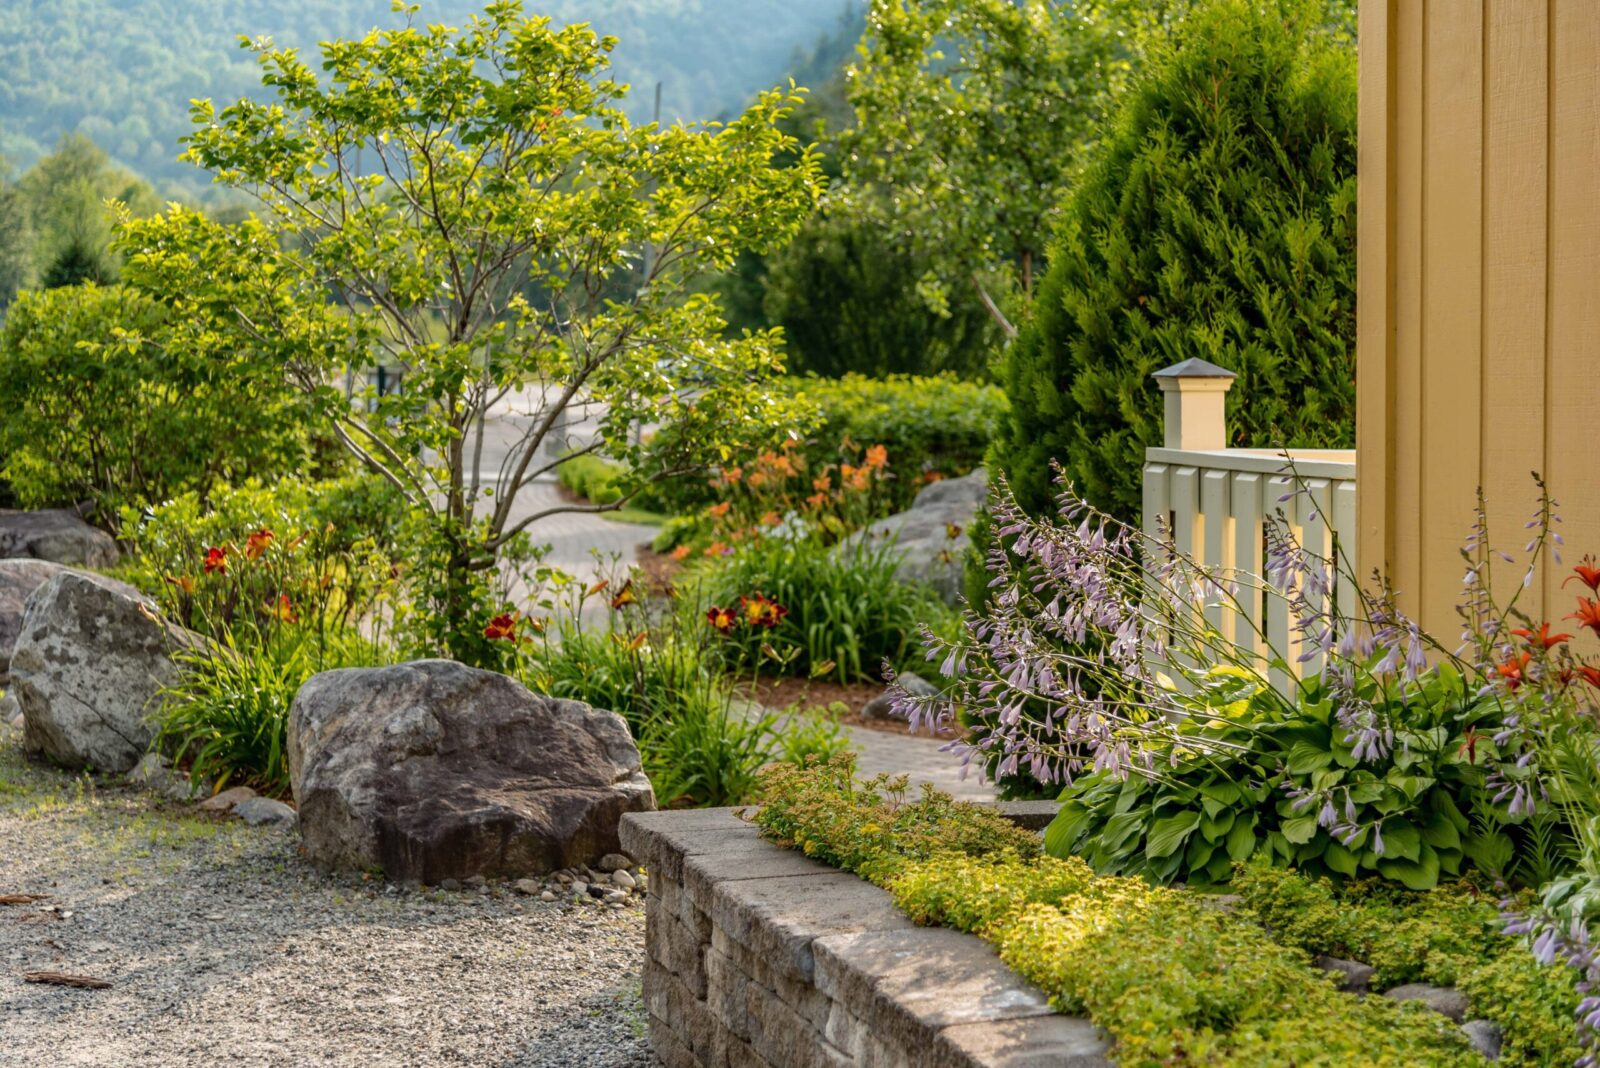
(722, 620)
(1591, 675)
(1542, 636)
(762, 611)
(1587, 572)
(1588, 614)
(1469, 745)
(503, 628)
(256, 544)
(217, 560)
(1511, 670)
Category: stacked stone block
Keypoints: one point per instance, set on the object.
(760, 957)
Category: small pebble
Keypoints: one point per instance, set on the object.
(527, 886)
(614, 862)
(449, 884)
(547, 896)
(621, 878)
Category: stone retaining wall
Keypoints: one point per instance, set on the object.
(759, 957)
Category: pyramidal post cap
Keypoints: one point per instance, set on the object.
(1194, 368)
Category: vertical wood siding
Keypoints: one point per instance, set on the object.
(1478, 281)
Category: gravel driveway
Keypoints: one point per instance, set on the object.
(223, 947)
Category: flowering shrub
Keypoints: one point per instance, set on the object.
(1094, 669)
(280, 584)
(844, 609)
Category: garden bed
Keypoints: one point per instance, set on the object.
(761, 956)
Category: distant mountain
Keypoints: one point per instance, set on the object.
(123, 71)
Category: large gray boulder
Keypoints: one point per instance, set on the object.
(56, 535)
(18, 579)
(87, 670)
(433, 770)
(932, 536)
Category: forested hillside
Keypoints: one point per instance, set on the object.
(123, 71)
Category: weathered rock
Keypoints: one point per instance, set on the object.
(1446, 1000)
(154, 774)
(434, 770)
(623, 879)
(87, 672)
(224, 801)
(530, 887)
(932, 535)
(1485, 1037)
(882, 706)
(18, 579)
(1353, 976)
(614, 862)
(56, 535)
(260, 811)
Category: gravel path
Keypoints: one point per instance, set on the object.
(224, 947)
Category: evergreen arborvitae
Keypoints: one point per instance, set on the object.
(1216, 219)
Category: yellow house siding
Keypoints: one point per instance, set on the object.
(1478, 283)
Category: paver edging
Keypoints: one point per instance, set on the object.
(759, 957)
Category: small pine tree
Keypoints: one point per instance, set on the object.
(1217, 219)
(79, 261)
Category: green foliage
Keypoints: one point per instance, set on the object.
(593, 478)
(16, 242)
(1172, 979)
(280, 583)
(971, 116)
(848, 612)
(1215, 220)
(125, 73)
(494, 242)
(652, 665)
(845, 293)
(99, 405)
(870, 827)
(227, 718)
(933, 425)
(1262, 790)
(1532, 1003)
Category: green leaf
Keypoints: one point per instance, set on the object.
(1440, 833)
(1215, 827)
(1301, 829)
(1339, 859)
(1306, 757)
(1401, 840)
(1063, 832)
(1242, 840)
(1419, 874)
(1168, 833)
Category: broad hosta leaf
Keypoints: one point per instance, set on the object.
(1168, 833)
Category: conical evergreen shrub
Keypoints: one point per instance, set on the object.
(1216, 219)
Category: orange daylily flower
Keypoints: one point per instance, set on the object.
(771, 519)
(680, 553)
(877, 456)
(256, 544)
(718, 548)
(717, 511)
(1511, 670)
(216, 560)
(823, 483)
(1588, 614)
(1586, 572)
(1541, 637)
(282, 610)
(625, 596)
(597, 587)
(1591, 675)
(183, 582)
(817, 500)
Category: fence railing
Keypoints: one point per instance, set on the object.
(1216, 501)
